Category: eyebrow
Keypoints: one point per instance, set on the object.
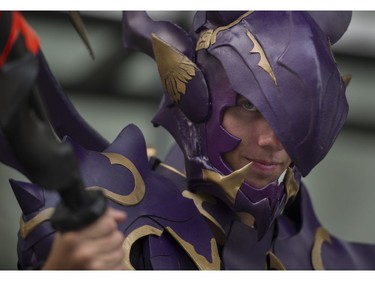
(240, 97)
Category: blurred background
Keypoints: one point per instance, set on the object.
(121, 87)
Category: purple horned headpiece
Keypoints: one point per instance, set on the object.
(281, 61)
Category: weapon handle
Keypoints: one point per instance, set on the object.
(46, 160)
(65, 218)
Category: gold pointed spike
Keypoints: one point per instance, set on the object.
(346, 78)
(76, 20)
(231, 183)
(263, 62)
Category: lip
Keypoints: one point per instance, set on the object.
(264, 166)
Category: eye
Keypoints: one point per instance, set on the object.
(246, 104)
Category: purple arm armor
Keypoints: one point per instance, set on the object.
(63, 116)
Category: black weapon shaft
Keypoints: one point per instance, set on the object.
(46, 160)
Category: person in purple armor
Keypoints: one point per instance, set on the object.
(254, 101)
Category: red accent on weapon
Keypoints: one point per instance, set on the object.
(20, 27)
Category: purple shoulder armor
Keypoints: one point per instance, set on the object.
(159, 216)
(303, 243)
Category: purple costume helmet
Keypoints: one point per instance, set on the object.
(281, 61)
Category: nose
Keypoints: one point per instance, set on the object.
(267, 137)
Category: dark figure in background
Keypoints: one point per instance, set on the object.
(254, 100)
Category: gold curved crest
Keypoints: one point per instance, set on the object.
(274, 262)
(321, 236)
(139, 189)
(208, 37)
(175, 69)
(200, 261)
(136, 234)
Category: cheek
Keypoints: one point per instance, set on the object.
(228, 121)
(234, 125)
(234, 159)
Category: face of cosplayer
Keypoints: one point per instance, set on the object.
(258, 144)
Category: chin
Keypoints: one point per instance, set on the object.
(260, 182)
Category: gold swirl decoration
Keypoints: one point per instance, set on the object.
(136, 234)
(208, 37)
(138, 192)
(198, 202)
(133, 198)
(175, 69)
(321, 236)
(274, 262)
(27, 227)
(200, 261)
